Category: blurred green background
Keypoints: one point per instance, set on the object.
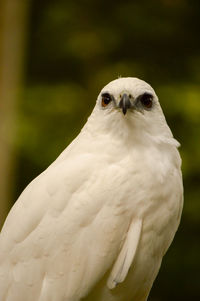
(56, 56)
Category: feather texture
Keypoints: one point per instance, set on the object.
(126, 255)
(104, 213)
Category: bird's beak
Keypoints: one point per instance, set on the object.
(125, 103)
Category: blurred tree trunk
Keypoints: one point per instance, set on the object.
(13, 15)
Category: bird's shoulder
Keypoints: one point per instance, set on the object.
(76, 180)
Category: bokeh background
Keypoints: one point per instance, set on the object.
(55, 56)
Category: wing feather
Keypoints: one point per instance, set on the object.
(49, 234)
(126, 256)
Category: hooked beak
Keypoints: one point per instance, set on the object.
(125, 103)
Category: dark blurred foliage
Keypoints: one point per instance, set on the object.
(76, 47)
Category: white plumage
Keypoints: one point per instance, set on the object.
(96, 224)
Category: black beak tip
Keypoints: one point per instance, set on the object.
(125, 103)
(124, 110)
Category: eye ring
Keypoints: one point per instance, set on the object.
(146, 100)
(106, 99)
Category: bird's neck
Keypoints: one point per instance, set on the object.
(124, 130)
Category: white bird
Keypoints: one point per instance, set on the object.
(96, 224)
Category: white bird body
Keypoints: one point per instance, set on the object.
(104, 213)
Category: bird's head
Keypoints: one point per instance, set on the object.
(127, 95)
(130, 106)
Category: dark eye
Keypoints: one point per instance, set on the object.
(146, 100)
(106, 99)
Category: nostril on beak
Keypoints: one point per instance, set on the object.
(125, 103)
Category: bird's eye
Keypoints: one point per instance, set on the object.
(106, 99)
(146, 100)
